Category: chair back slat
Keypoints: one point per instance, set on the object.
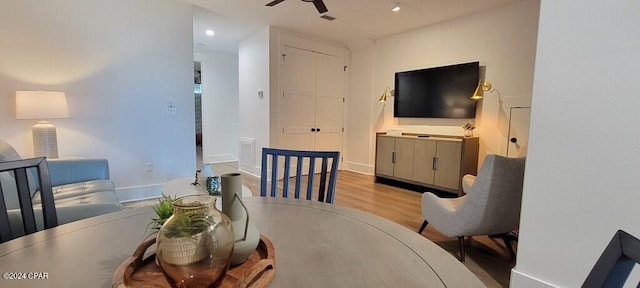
(46, 194)
(298, 176)
(326, 190)
(312, 167)
(332, 181)
(5, 233)
(19, 168)
(274, 177)
(24, 195)
(323, 178)
(287, 166)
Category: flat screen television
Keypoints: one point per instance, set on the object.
(440, 92)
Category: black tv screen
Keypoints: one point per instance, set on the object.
(441, 92)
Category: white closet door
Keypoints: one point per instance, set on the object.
(297, 105)
(310, 112)
(329, 102)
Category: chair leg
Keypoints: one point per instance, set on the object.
(424, 225)
(507, 238)
(461, 244)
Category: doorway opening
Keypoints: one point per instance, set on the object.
(197, 92)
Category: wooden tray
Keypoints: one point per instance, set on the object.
(256, 272)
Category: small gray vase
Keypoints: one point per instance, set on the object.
(247, 235)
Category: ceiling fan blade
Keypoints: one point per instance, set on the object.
(274, 2)
(320, 6)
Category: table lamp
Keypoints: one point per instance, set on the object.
(42, 105)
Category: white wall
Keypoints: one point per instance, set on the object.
(359, 108)
(502, 39)
(254, 69)
(580, 182)
(120, 62)
(220, 106)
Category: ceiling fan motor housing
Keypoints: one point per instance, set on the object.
(318, 3)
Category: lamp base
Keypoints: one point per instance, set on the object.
(45, 140)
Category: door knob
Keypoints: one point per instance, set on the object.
(513, 140)
(318, 129)
(313, 129)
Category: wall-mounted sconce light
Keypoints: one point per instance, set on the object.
(482, 86)
(387, 93)
(485, 86)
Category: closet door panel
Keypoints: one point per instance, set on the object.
(329, 112)
(297, 101)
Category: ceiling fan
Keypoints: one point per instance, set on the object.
(318, 3)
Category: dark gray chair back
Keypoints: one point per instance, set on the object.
(616, 262)
(19, 169)
(326, 191)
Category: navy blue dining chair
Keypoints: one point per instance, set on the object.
(326, 189)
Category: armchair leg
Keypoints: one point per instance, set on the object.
(507, 238)
(424, 225)
(461, 244)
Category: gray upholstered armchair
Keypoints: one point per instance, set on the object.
(490, 207)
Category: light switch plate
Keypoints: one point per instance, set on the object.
(172, 109)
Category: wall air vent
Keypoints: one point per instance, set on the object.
(327, 17)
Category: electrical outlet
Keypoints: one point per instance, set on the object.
(148, 167)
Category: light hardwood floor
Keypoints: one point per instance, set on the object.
(486, 257)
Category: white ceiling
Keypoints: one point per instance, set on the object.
(356, 20)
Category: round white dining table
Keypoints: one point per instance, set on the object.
(316, 245)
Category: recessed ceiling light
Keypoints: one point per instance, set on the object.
(395, 7)
(210, 32)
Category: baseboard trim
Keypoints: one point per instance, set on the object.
(360, 168)
(255, 172)
(220, 158)
(137, 193)
(521, 280)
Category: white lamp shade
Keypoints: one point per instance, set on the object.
(41, 105)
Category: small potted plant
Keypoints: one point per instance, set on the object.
(164, 210)
(187, 224)
(468, 128)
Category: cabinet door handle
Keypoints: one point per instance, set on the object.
(435, 163)
(313, 129)
(393, 157)
(318, 129)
